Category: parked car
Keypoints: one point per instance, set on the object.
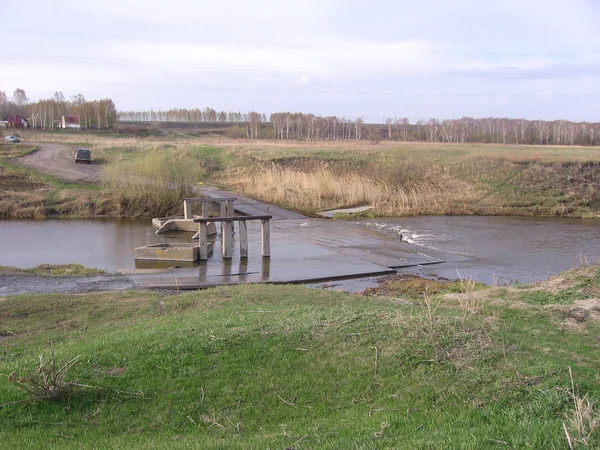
(12, 139)
(83, 155)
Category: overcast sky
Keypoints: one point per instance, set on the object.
(534, 59)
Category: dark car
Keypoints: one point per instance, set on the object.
(83, 155)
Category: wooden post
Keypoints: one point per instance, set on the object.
(243, 239)
(203, 241)
(205, 209)
(187, 209)
(266, 237)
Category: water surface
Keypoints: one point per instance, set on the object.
(498, 249)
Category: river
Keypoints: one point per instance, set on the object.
(498, 249)
(488, 249)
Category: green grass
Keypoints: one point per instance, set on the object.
(55, 270)
(289, 367)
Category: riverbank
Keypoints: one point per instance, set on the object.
(395, 178)
(289, 367)
(30, 194)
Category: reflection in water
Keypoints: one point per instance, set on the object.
(105, 244)
(485, 248)
(266, 267)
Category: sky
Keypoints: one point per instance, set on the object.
(533, 59)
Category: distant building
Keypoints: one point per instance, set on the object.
(16, 122)
(70, 122)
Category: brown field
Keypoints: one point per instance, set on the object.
(396, 178)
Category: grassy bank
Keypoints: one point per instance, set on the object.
(395, 178)
(421, 179)
(53, 269)
(28, 194)
(289, 367)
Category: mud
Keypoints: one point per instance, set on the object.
(34, 284)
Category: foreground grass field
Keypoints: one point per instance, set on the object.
(289, 367)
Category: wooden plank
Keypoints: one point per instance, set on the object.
(232, 219)
(206, 199)
(266, 237)
(187, 209)
(243, 239)
(203, 241)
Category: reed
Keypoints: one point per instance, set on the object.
(153, 184)
(312, 191)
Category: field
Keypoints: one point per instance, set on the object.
(27, 194)
(449, 366)
(396, 178)
(412, 364)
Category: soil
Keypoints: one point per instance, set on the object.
(18, 183)
(59, 160)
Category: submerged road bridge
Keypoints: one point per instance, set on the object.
(301, 250)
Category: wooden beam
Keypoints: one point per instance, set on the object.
(206, 199)
(232, 219)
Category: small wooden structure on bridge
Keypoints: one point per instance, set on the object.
(227, 220)
(205, 227)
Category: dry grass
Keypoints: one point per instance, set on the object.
(48, 381)
(151, 185)
(397, 178)
(324, 189)
(583, 420)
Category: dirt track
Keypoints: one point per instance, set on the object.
(59, 160)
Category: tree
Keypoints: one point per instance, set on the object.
(20, 97)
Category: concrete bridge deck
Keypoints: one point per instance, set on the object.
(303, 251)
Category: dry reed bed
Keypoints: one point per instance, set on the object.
(323, 189)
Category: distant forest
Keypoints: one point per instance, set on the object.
(102, 114)
(301, 126)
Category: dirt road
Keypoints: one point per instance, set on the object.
(59, 160)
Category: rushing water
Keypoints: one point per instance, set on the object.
(489, 249)
(499, 249)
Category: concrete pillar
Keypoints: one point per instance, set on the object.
(227, 229)
(227, 240)
(187, 209)
(203, 241)
(266, 237)
(243, 238)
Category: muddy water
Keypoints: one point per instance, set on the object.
(489, 249)
(498, 249)
(106, 245)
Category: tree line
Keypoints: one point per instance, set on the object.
(47, 114)
(101, 114)
(302, 126)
